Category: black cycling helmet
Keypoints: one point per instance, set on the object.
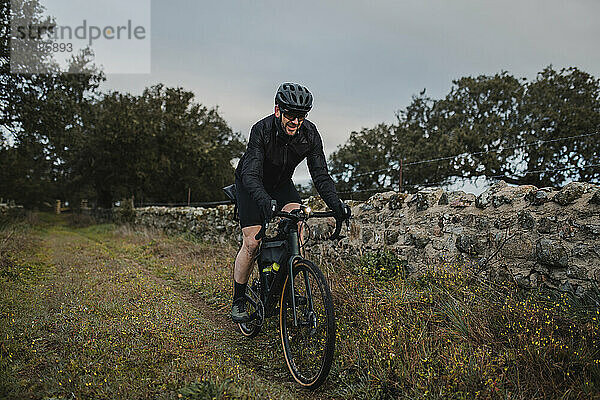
(292, 97)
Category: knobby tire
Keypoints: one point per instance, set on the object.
(308, 350)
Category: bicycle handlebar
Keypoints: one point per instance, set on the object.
(297, 216)
(338, 223)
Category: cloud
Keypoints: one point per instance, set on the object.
(363, 60)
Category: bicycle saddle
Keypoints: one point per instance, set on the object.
(230, 192)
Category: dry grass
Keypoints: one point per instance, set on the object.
(449, 335)
(117, 312)
(88, 320)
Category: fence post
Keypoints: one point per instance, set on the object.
(400, 183)
(189, 195)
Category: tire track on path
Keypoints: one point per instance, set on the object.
(223, 335)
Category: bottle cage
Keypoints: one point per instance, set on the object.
(231, 194)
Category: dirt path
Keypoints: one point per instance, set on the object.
(123, 322)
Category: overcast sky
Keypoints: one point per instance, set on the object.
(363, 60)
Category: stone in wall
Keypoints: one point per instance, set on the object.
(457, 199)
(10, 211)
(485, 198)
(547, 224)
(570, 193)
(427, 198)
(539, 196)
(551, 253)
(595, 197)
(526, 220)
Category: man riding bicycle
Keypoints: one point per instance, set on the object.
(277, 144)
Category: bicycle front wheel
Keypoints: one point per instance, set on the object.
(308, 344)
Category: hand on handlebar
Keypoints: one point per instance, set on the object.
(268, 211)
(304, 213)
(343, 213)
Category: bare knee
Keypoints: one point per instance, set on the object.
(290, 206)
(250, 246)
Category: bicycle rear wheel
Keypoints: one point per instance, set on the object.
(308, 346)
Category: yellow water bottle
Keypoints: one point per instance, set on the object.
(271, 268)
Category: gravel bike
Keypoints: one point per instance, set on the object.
(293, 287)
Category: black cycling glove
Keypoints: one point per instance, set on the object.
(343, 212)
(267, 209)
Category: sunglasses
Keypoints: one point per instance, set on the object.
(293, 116)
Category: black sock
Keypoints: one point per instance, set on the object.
(239, 290)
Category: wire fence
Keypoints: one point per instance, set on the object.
(398, 168)
(194, 204)
(492, 177)
(477, 153)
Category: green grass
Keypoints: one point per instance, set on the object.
(106, 311)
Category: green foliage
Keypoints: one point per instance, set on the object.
(491, 124)
(61, 139)
(382, 265)
(560, 104)
(451, 334)
(205, 390)
(367, 150)
(37, 114)
(125, 213)
(155, 146)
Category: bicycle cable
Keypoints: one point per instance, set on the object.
(307, 239)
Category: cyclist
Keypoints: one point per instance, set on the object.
(277, 144)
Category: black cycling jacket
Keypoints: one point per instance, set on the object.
(272, 156)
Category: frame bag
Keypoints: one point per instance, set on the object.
(274, 251)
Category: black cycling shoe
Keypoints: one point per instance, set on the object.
(239, 314)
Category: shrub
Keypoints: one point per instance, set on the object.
(383, 265)
(78, 220)
(205, 389)
(125, 214)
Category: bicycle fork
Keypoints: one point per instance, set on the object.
(293, 291)
(295, 251)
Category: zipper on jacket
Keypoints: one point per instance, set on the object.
(283, 167)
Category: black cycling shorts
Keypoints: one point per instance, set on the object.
(248, 210)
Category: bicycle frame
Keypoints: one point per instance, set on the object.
(293, 239)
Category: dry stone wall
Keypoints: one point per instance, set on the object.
(533, 236)
(211, 224)
(9, 211)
